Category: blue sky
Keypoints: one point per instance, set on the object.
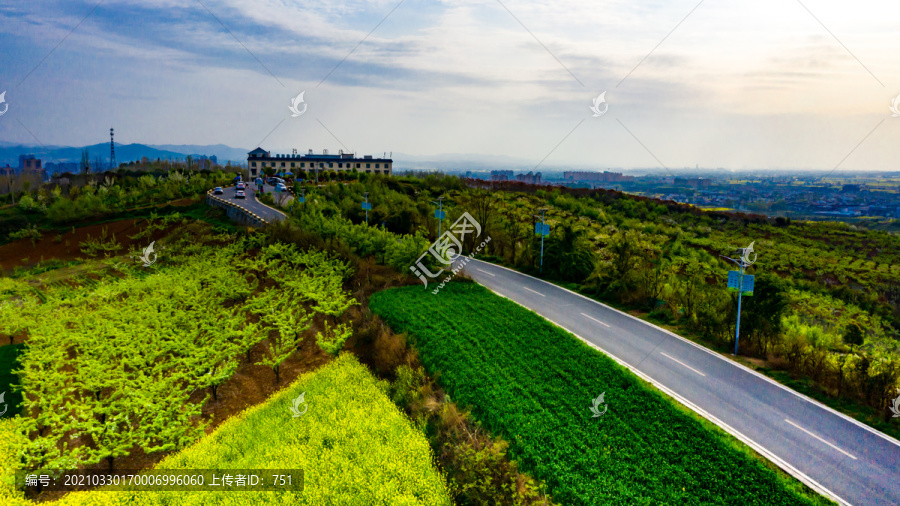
(742, 85)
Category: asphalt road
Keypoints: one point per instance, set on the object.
(833, 454)
(251, 204)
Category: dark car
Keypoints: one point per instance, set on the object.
(218, 190)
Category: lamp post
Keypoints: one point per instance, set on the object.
(439, 214)
(543, 230)
(744, 262)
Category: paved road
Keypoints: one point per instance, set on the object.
(839, 457)
(251, 204)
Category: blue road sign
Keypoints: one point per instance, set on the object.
(440, 214)
(734, 282)
(541, 229)
(367, 205)
(748, 284)
(301, 199)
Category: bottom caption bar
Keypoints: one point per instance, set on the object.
(163, 480)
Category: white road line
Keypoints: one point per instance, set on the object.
(532, 291)
(596, 320)
(820, 439)
(682, 363)
(486, 272)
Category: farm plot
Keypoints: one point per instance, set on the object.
(352, 443)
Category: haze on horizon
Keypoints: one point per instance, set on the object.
(769, 85)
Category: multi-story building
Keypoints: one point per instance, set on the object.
(259, 159)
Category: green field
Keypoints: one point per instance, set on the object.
(353, 445)
(532, 383)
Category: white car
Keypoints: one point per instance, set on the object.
(239, 194)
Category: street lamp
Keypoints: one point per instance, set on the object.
(439, 214)
(543, 230)
(736, 281)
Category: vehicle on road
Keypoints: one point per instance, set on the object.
(241, 186)
(239, 194)
(218, 190)
(281, 187)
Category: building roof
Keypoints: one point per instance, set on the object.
(260, 153)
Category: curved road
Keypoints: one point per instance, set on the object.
(839, 457)
(251, 204)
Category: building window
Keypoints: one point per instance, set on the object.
(368, 165)
(377, 166)
(302, 164)
(368, 171)
(282, 164)
(330, 165)
(253, 164)
(292, 165)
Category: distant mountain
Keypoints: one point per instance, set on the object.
(9, 154)
(222, 152)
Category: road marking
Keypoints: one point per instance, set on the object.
(682, 363)
(486, 272)
(596, 320)
(820, 439)
(532, 291)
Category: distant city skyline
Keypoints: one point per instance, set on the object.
(762, 86)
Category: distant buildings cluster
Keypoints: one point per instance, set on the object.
(599, 177)
(693, 182)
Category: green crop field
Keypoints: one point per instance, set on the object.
(532, 383)
(353, 445)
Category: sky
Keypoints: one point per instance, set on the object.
(775, 85)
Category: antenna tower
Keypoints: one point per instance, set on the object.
(112, 151)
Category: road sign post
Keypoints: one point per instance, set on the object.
(366, 205)
(742, 283)
(544, 230)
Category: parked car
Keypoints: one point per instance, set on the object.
(218, 190)
(239, 194)
(281, 187)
